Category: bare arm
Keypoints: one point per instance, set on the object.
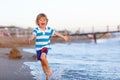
(62, 36)
(31, 38)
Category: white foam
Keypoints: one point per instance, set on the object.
(37, 72)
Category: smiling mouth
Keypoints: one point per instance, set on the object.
(42, 23)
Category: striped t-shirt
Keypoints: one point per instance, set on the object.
(43, 37)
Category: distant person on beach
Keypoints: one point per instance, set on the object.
(42, 35)
(4, 33)
(93, 36)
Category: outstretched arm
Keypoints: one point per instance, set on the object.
(62, 36)
(31, 38)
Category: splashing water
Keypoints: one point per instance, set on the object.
(38, 74)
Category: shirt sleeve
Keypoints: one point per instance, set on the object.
(52, 31)
(34, 31)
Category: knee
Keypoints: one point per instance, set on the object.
(42, 58)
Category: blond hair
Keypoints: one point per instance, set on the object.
(39, 16)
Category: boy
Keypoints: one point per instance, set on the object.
(42, 34)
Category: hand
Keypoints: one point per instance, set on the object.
(29, 41)
(31, 38)
(66, 38)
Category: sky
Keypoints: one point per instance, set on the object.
(62, 14)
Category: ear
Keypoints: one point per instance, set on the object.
(47, 21)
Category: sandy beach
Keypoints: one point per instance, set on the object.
(14, 69)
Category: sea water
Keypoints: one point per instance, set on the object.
(81, 61)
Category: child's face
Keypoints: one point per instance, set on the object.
(42, 22)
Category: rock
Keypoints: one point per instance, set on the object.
(15, 54)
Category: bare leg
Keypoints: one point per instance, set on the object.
(45, 65)
(45, 70)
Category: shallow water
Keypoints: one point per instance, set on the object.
(81, 61)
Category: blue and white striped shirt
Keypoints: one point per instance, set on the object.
(43, 37)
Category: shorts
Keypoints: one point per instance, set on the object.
(39, 52)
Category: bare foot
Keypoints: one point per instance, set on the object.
(50, 73)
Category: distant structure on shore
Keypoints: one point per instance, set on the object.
(20, 32)
(13, 31)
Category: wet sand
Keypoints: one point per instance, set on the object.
(14, 69)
